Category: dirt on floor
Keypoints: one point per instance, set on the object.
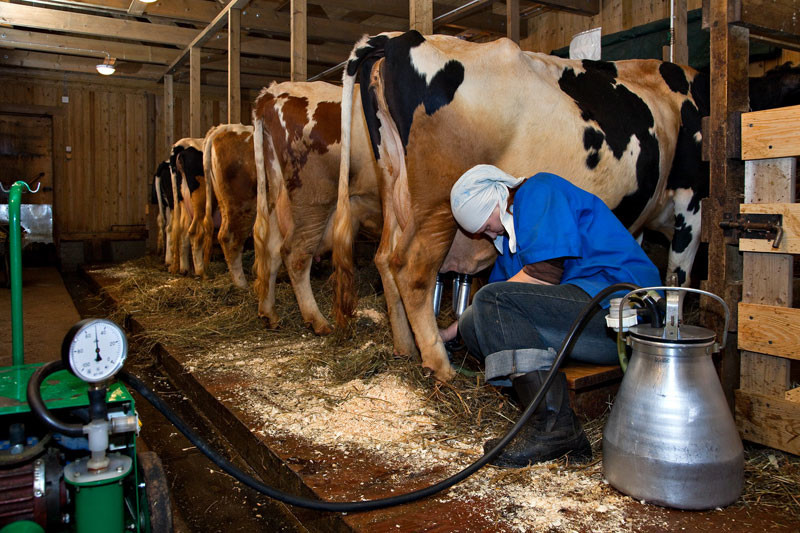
(349, 393)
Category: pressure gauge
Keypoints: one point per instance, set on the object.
(94, 349)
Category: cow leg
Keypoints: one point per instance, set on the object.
(414, 265)
(402, 337)
(165, 232)
(183, 242)
(232, 243)
(686, 237)
(196, 229)
(307, 233)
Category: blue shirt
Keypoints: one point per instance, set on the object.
(553, 218)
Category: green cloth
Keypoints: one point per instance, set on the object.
(648, 40)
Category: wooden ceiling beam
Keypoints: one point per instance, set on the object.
(48, 19)
(39, 60)
(581, 7)
(80, 46)
(205, 35)
(136, 8)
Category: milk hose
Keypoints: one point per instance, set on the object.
(360, 506)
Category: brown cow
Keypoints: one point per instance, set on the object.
(297, 147)
(627, 131)
(188, 186)
(229, 163)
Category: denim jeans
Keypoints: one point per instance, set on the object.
(523, 316)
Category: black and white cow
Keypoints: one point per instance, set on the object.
(627, 131)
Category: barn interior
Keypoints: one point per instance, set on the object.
(95, 93)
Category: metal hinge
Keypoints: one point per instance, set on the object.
(754, 226)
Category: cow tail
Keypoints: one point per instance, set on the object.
(161, 242)
(177, 212)
(345, 296)
(261, 226)
(208, 219)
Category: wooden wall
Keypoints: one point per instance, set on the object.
(555, 29)
(115, 134)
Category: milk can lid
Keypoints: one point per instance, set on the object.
(687, 334)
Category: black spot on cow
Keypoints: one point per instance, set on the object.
(592, 142)
(166, 186)
(674, 77)
(683, 235)
(191, 160)
(681, 275)
(404, 88)
(620, 115)
(779, 87)
(173, 166)
(688, 170)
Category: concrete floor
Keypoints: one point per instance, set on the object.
(48, 313)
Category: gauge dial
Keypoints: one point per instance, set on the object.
(94, 349)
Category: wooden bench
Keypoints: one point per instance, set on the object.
(591, 387)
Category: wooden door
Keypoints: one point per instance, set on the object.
(26, 153)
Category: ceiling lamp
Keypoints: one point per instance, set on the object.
(147, 1)
(107, 68)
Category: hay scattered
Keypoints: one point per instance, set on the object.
(215, 318)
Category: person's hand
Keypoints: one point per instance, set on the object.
(449, 333)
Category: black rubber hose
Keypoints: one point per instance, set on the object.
(40, 409)
(350, 507)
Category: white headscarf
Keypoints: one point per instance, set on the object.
(474, 196)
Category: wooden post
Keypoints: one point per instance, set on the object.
(298, 41)
(680, 43)
(512, 20)
(420, 15)
(234, 78)
(169, 112)
(729, 95)
(767, 276)
(195, 106)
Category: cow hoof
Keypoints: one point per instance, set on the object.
(443, 374)
(322, 329)
(269, 322)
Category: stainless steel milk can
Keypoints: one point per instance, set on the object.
(671, 438)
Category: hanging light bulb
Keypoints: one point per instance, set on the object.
(147, 1)
(107, 68)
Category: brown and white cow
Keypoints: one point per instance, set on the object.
(230, 176)
(627, 131)
(297, 149)
(189, 193)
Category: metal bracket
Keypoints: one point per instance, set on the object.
(754, 226)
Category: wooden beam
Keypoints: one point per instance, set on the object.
(19, 15)
(793, 395)
(729, 94)
(512, 20)
(774, 422)
(581, 7)
(23, 58)
(776, 19)
(234, 67)
(49, 42)
(213, 27)
(770, 329)
(790, 241)
(169, 112)
(680, 36)
(420, 16)
(299, 42)
(136, 7)
(195, 104)
(32, 17)
(771, 133)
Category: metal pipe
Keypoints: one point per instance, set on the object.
(15, 263)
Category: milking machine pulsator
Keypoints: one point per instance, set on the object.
(85, 475)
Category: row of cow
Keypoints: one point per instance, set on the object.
(427, 109)
(277, 180)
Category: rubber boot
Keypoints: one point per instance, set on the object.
(552, 431)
